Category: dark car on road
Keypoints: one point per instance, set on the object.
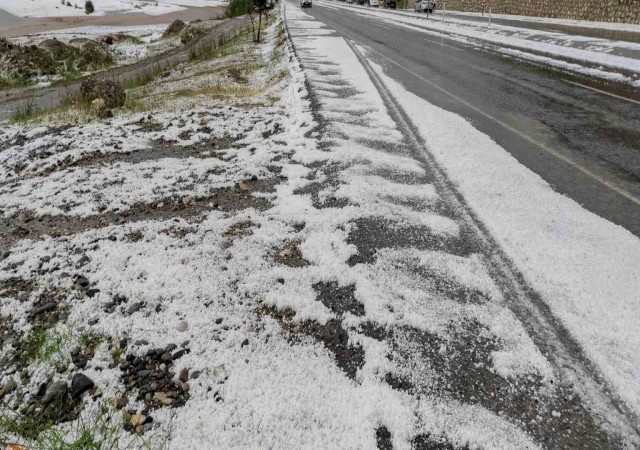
(391, 4)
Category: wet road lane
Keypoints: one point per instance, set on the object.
(584, 143)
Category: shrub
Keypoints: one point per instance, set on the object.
(239, 8)
(88, 7)
(191, 34)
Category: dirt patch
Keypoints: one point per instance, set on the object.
(348, 357)
(25, 226)
(17, 288)
(462, 367)
(383, 439)
(339, 299)
(372, 234)
(290, 255)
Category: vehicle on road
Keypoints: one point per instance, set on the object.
(390, 4)
(426, 6)
(350, 1)
(305, 3)
(373, 3)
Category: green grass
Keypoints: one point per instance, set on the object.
(131, 40)
(97, 430)
(41, 345)
(9, 83)
(191, 34)
(25, 114)
(144, 78)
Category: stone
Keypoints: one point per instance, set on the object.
(144, 373)
(195, 374)
(81, 363)
(184, 375)
(166, 357)
(56, 392)
(245, 343)
(80, 384)
(97, 107)
(137, 419)
(180, 353)
(182, 326)
(110, 92)
(82, 281)
(170, 347)
(122, 402)
(134, 308)
(9, 387)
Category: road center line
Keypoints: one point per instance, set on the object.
(603, 92)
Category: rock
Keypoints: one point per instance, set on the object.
(92, 292)
(82, 281)
(144, 373)
(184, 375)
(245, 343)
(98, 106)
(176, 27)
(122, 402)
(134, 308)
(80, 384)
(45, 308)
(166, 357)
(182, 326)
(170, 347)
(180, 353)
(111, 92)
(187, 200)
(243, 186)
(9, 387)
(219, 320)
(81, 363)
(195, 374)
(56, 392)
(163, 398)
(137, 419)
(84, 260)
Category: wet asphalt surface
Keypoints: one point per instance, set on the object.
(554, 416)
(541, 108)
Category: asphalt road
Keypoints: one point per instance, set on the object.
(584, 143)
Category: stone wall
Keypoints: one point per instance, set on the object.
(627, 11)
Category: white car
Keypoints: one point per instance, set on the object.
(425, 6)
(373, 3)
(305, 3)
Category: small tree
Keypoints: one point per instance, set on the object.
(261, 7)
(88, 7)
